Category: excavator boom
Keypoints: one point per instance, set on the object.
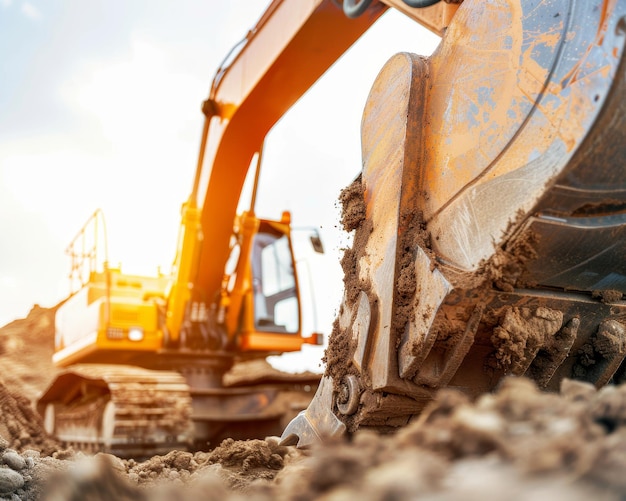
(282, 56)
(291, 46)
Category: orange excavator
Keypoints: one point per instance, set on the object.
(154, 363)
(489, 218)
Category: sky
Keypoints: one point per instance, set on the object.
(100, 108)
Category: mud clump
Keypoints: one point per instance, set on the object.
(607, 296)
(604, 346)
(91, 478)
(353, 205)
(240, 463)
(520, 334)
(507, 267)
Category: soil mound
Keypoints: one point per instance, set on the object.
(516, 443)
(21, 427)
(26, 348)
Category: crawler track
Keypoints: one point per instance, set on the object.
(126, 411)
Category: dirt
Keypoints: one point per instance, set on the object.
(413, 235)
(20, 426)
(506, 267)
(520, 334)
(604, 345)
(26, 347)
(607, 296)
(516, 442)
(353, 218)
(353, 205)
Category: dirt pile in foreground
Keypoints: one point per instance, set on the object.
(516, 443)
(21, 428)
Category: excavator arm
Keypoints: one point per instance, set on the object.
(287, 51)
(291, 46)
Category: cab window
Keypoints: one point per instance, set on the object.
(274, 284)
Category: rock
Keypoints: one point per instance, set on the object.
(13, 460)
(10, 481)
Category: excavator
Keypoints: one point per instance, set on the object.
(152, 364)
(488, 221)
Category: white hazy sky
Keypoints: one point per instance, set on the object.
(100, 108)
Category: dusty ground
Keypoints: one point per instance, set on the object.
(517, 443)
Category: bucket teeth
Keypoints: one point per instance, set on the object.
(317, 422)
(603, 354)
(552, 355)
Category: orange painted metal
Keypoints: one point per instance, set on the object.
(293, 44)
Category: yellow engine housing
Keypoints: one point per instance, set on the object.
(110, 319)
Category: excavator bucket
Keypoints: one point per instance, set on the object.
(489, 219)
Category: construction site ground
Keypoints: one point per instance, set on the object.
(516, 444)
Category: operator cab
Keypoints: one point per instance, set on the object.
(276, 306)
(260, 306)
